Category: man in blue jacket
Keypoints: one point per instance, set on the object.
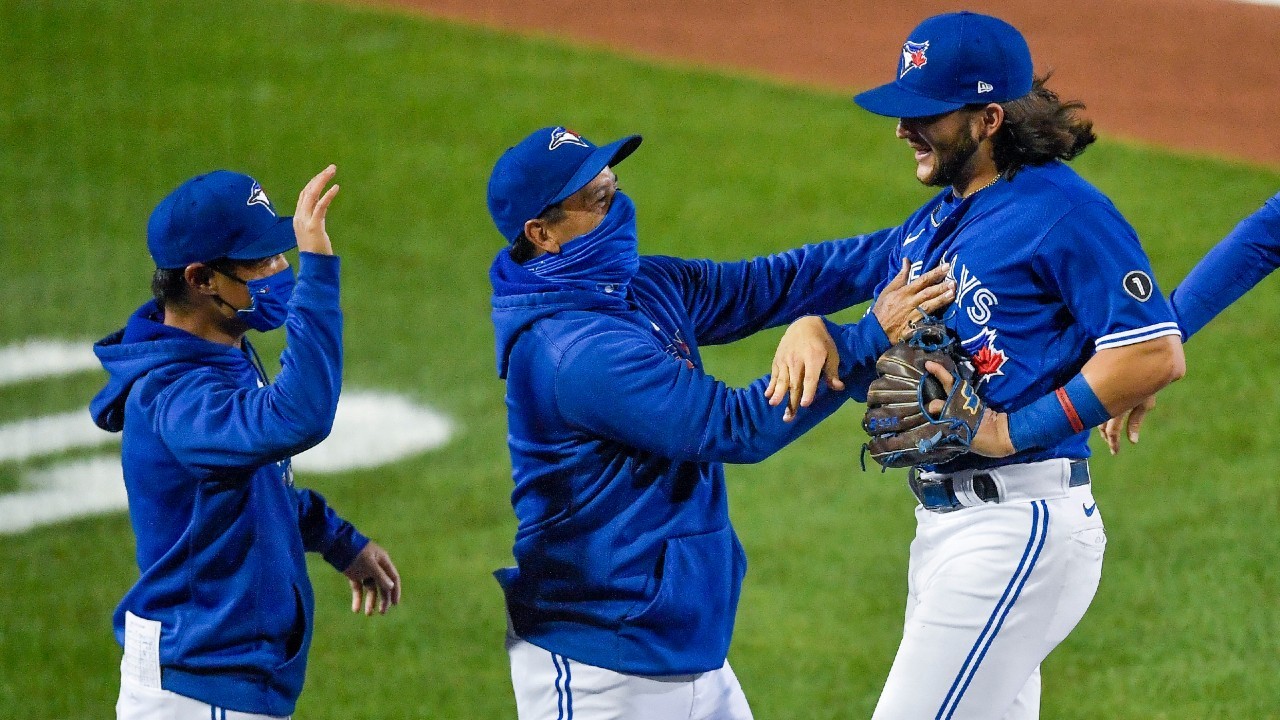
(221, 616)
(627, 576)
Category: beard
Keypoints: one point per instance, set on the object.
(951, 160)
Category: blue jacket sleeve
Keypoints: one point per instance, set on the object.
(614, 385)
(732, 300)
(860, 345)
(1244, 257)
(210, 421)
(324, 532)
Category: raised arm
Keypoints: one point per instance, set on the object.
(210, 422)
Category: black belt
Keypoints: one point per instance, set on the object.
(939, 495)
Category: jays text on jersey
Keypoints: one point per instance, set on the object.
(1047, 272)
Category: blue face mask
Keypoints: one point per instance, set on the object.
(605, 259)
(268, 300)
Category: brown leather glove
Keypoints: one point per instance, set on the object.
(904, 432)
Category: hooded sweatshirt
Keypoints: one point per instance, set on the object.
(221, 530)
(625, 557)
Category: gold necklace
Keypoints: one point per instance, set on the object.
(994, 180)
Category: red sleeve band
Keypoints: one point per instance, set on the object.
(1067, 407)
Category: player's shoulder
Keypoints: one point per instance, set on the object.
(663, 278)
(666, 269)
(1056, 184)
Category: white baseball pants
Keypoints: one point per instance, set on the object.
(142, 698)
(553, 687)
(139, 702)
(992, 590)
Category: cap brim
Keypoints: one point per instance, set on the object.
(603, 157)
(277, 239)
(894, 101)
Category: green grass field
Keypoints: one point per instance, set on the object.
(104, 106)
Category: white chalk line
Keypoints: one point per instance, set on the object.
(371, 428)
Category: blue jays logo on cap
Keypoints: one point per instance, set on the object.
(970, 59)
(221, 214)
(913, 57)
(543, 169)
(258, 197)
(561, 136)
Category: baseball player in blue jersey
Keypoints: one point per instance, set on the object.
(1058, 309)
(623, 596)
(219, 623)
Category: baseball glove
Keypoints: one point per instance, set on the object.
(903, 431)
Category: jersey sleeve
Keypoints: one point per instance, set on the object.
(1091, 258)
(1244, 257)
(728, 301)
(616, 386)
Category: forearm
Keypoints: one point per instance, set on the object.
(323, 531)
(860, 345)
(636, 395)
(734, 300)
(1125, 376)
(1110, 383)
(310, 380)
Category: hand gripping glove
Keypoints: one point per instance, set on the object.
(903, 431)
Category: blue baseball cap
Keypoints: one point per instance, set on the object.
(221, 214)
(543, 169)
(954, 60)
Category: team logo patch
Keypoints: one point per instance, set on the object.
(561, 136)
(257, 197)
(913, 57)
(1139, 286)
(987, 359)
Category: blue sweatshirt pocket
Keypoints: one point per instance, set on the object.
(687, 626)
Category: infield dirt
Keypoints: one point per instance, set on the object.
(1198, 75)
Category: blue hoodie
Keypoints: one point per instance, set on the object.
(625, 558)
(221, 530)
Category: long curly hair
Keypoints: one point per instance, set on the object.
(1039, 127)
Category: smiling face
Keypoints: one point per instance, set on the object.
(945, 146)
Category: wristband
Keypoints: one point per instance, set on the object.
(1069, 410)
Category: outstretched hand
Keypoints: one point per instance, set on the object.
(805, 355)
(309, 216)
(374, 580)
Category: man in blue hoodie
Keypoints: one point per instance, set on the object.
(627, 576)
(221, 617)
